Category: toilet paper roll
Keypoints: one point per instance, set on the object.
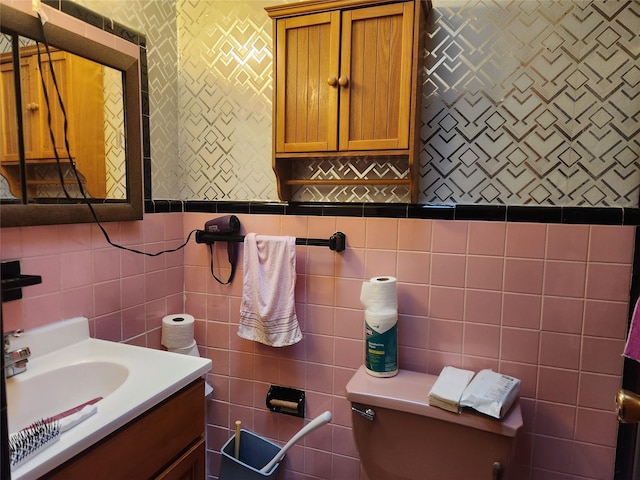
(379, 294)
(191, 349)
(177, 330)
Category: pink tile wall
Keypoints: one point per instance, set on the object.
(545, 303)
(123, 294)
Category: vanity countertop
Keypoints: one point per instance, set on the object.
(150, 376)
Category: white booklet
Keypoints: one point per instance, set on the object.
(491, 393)
(448, 388)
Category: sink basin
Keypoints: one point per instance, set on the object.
(68, 368)
(60, 389)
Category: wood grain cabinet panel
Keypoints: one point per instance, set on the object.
(307, 106)
(377, 47)
(346, 84)
(167, 442)
(80, 85)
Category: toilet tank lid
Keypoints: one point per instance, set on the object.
(409, 392)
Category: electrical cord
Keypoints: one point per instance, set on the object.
(64, 115)
(232, 252)
(68, 149)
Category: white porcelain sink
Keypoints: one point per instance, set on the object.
(68, 368)
(66, 387)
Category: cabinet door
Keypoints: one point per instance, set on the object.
(307, 63)
(37, 138)
(190, 466)
(8, 126)
(376, 63)
(30, 105)
(61, 71)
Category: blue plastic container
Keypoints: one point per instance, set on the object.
(255, 453)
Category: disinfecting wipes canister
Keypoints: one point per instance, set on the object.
(381, 344)
(379, 298)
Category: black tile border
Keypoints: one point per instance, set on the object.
(486, 212)
(79, 11)
(534, 214)
(97, 20)
(597, 215)
(387, 210)
(435, 212)
(495, 213)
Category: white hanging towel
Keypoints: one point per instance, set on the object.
(267, 311)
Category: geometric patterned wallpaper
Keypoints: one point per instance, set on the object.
(115, 155)
(531, 102)
(157, 20)
(225, 100)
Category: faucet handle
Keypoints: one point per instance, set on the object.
(14, 333)
(7, 335)
(21, 354)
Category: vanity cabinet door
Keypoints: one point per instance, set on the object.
(190, 466)
(307, 56)
(166, 442)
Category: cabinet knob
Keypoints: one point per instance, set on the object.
(343, 81)
(332, 81)
(32, 106)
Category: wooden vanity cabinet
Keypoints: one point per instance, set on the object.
(80, 84)
(347, 81)
(167, 442)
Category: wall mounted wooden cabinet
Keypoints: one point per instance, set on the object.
(347, 77)
(81, 89)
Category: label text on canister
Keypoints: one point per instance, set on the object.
(381, 349)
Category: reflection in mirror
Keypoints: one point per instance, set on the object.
(92, 95)
(80, 107)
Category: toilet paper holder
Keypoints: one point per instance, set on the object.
(286, 400)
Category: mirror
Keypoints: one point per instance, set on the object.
(98, 125)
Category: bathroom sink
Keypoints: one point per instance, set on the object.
(67, 368)
(50, 393)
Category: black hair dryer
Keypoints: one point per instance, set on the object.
(228, 224)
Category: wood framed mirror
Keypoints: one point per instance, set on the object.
(73, 134)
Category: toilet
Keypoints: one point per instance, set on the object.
(400, 437)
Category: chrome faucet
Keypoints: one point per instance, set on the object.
(15, 361)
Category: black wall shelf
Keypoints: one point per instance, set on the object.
(12, 280)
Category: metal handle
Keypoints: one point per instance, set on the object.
(369, 414)
(7, 335)
(628, 406)
(14, 333)
(498, 471)
(18, 355)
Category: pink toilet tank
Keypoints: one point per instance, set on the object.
(400, 437)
